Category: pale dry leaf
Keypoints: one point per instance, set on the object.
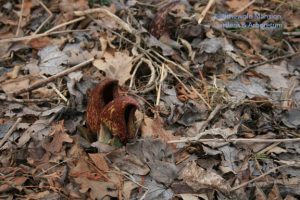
(132, 164)
(39, 126)
(99, 160)
(15, 84)
(116, 65)
(236, 58)
(198, 178)
(153, 128)
(276, 74)
(128, 187)
(52, 59)
(234, 5)
(277, 150)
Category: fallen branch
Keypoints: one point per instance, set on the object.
(243, 140)
(52, 78)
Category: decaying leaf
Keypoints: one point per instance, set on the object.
(198, 178)
(116, 65)
(59, 137)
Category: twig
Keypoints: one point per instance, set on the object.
(203, 14)
(20, 18)
(265, 62)
(244, 7)
(261, 176)
(48, 18)
(178, 79)
(243, 140)
(56, 90)
(52, 78)
(126, 26)
(210, 117)
(170, 61)
(268, 148)
(30, 37)
(65, 24)
(201, 97)
(162, 72)
(64, 161)
(291, 33)
(10, 131)
(26, 100)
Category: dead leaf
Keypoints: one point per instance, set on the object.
(276, 74)
(117, 65)
(153, 128)
(128, 188)
(99, 160)
(52, 59)
(234, 5)
(158, 156)
(11, 183)
(58, 138)
(275, 193)
(132, 164)
(39, 43)
(198, 178)
(39, 126)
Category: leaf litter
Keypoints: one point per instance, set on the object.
(218, 107)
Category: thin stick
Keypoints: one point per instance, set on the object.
(291, 33)
(27, 100)
(20, 18)
(201, 97)
(48, 18)
(265, 62)
(259, 177)
(65, 24)
(64, 161)
(30, 37)
(162, 71)
(203, 14)
(52, 78)
(10, 131)
(244, 7)
(126, 26)
(170, 61)
(243, 140)
(178, 79)
(210, 117)
(55, 89)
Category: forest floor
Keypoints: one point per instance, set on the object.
(193, 99)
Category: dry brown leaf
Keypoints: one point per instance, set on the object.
(153, 128)
(116, 65)
(59, 137)
(234, 5)
(99, 160)
(275, 193)
(39, 43)
(11, 183)
(90, 182)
